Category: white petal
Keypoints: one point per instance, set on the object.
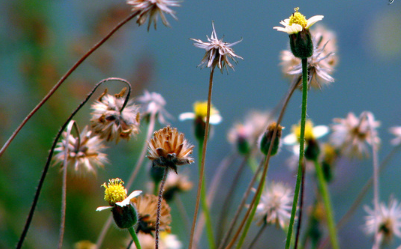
(127, 200)
(186, 115)
(103, 208)
(134, 194)
(215, 119)
(290, 139)
(313, 20)
(320, 131)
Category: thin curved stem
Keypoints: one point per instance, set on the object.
(133, 175)
(159, 207)
(204, 202)
(229, 197)
(209, 100)
(63, 78)
(324, 192)
(258, 235)
(134, 237)
(301, 149)
(46, 167)
(212, 190)
(183, 212)
(301, 204)
(284, 107)
(376, 197)
(250, 219)
(64, 185)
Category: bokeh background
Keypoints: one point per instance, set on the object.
(41, 39)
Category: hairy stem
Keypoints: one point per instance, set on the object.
(159, 207)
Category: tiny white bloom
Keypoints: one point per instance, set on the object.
(275, 205)
(352, 135)
(396, 131)
(153, 103)
(387, 222)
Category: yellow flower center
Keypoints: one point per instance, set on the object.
(114, 191)
(296, 129)
(298, 18)
(200, 109)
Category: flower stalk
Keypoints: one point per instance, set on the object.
(159, 205)
(204, 147)
(134, 237)
(301, 149)
(205, 206)
(322, 184)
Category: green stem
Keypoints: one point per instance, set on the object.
(203, 158)
(252, 214)
(301, 149)
(205, 207)
(134, 237)
(327, 204)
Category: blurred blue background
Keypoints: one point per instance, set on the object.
(41, 39)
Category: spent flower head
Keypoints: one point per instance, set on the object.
(352, 135)
(168, 148)
(84, 153)
(387, 222)
(151, 9)
(146, 207)
(217, 53)
(110, 122)
(275, 205)
(153, 104)
(320, 64)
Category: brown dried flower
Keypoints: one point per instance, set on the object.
(169, 149)
(146, 206)
(109, 122)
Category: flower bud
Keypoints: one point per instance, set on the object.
(125, 217)
(266, 139)
(312, 150)
(301, 44)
